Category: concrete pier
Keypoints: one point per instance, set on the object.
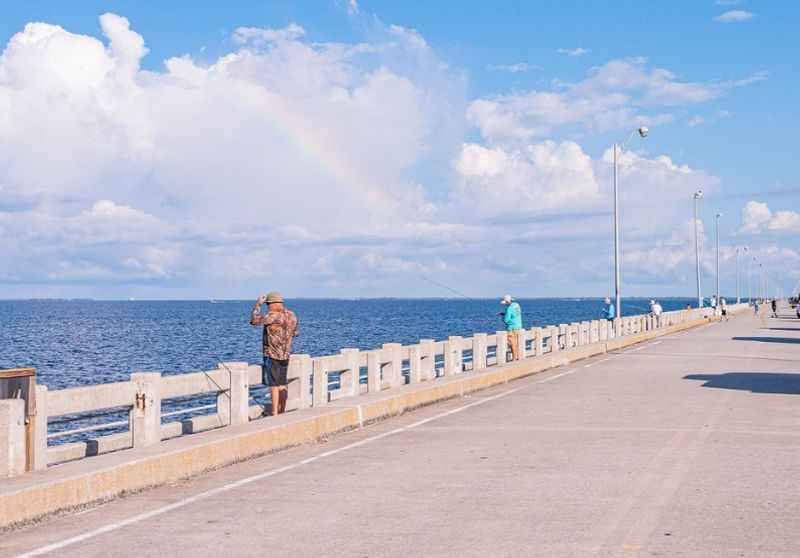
(680, 444)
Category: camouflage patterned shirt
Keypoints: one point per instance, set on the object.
(279, 329)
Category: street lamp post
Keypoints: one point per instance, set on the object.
(717, 231)
(738, 298)
(618, 148)
(697, 196)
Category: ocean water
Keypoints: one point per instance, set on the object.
(79, 342)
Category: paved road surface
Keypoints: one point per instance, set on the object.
(688, 446)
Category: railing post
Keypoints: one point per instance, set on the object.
(350, 382)
(428, 359)
(320, 368)
(452, 356)
(391, 351)
(502, 347)
(554, 343)
(233, 405)
(40, 432)
(414, 364)
(522, 339)
(12, 437)
(145, 416)
(374, 371)
(225, 398)
(479, 351)
(299, 377)
(536, 336)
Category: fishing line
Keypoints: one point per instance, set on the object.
(446, 287)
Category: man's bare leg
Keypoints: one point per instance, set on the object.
(283, 394)
(275, 393)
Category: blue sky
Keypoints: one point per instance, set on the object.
(465, 141)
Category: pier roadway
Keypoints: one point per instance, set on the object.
(686, 446)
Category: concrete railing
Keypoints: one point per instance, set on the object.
(313, 382)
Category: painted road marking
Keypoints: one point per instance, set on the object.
(642, 347)
(568, 372)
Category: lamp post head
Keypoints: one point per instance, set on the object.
(719, 215)
(698, 195)
(643, 131)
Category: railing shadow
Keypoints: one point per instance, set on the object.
(789, 340)
(755, 382)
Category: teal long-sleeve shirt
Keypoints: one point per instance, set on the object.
(513, 317)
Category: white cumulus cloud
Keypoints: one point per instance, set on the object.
(757, 217)
(613, 95)
(215, 160)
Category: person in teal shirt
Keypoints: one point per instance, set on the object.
(609, 312)
(512, 317)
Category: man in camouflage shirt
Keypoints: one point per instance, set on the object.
(280, 326)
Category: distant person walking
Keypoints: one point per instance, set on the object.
(723, 304)
(774, 308)
(755, 307)
(280, 326)
(609, 311)
(512, 318)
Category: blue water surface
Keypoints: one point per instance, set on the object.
(79, 342)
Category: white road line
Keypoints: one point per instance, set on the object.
(255, 478)
(597, 362)
(641, 348)
(556, 376)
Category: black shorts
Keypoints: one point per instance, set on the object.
(274, 372)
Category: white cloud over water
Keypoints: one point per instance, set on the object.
(320, 168)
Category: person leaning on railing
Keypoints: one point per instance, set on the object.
(512, 318)
(280, 326)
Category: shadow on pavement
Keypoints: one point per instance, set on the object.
(755, 382)
(768, 339)
(784, 328)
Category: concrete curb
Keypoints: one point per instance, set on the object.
(26, 498)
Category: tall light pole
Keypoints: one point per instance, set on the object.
(738, 298)
(750, 276)
(697, 196)
(618, 148)
(718, 215)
